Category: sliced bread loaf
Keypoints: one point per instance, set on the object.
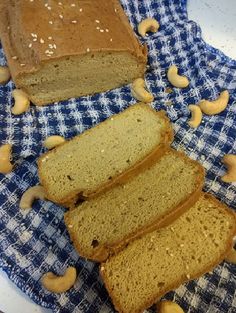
(156, 196)
(162, 260)
(100, 156)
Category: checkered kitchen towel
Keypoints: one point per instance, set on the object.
(38, 242)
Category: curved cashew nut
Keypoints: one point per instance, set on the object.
(139, 92)
(59, 284)
(22, 102)
(196, 116)
(53, 141)
(217, 106)
(175, 79)
(169, 307)
(4, 75)
(230, 161)
(33, 193)
(5, 157)
(148, 25)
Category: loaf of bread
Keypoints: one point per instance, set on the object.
(99, 157)
(59, 50)
(164, 259)
(153, 198)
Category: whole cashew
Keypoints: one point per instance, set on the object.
(33, 193)
(230, 161)
(59, 284)
(4, 75)
(231, 257)
(217, 106)
(22, 102)
(139, 92)
(175, 79)
(148, 25)
(5, 157)
(196, 116)
(53, 141)
(169, 307)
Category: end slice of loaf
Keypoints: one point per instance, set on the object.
(98, 158)
(77, 57)
(164, 259)
(156, 196)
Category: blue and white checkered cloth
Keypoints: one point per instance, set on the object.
(38, 242)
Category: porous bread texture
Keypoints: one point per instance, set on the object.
(101, 156)
(76, 76)
(164, 259)
(62, 51)
(153, 198)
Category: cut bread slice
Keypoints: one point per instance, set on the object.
(164, 259)
(156, 196)
(97, 159)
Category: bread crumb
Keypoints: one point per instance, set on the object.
(188, 276)
(102, 268)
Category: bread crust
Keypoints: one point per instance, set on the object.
(211, 265)
(17, 23)
(166, 138)
(104, 251)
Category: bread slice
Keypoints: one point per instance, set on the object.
(72, 50)
(98, 158)
(151, 199)
(164, 259)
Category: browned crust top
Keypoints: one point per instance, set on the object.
(36, 33)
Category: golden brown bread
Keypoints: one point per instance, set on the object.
(164, 259)
(104, 155)
(57, 50)
(153, 198)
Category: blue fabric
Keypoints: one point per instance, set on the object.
(38, 242)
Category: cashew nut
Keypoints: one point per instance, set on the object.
(148, 25)
(230, 161)
(217, 106)
(5, 157)
(139, 92)
(22, 102)
(4, 75)
(231, 257)
(53, 141)
(169, 307)
(196, 118)
(175, 79)
(59, 284)
(33, 193)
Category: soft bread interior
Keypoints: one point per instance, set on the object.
(75, 76)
